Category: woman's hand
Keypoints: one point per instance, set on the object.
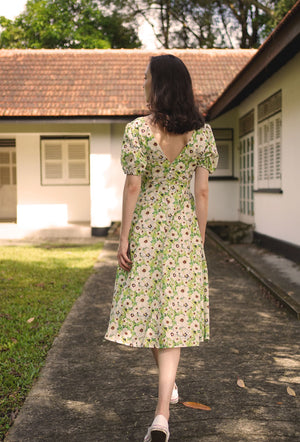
(123, 255)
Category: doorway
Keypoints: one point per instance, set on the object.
(8, 180)
(247, 178)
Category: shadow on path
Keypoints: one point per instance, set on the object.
(94, 390)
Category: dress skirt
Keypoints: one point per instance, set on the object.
(163, 301)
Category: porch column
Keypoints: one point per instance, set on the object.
(100, 163)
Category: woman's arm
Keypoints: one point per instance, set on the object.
(131, 192)
(201, 198)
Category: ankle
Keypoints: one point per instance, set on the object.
(165, 413)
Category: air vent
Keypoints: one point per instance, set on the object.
(7, 142)
(270, 106)
(246, 124)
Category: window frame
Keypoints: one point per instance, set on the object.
(269, 150)
(269, 155)
(8, 146)
(220, 139)
(65, 180)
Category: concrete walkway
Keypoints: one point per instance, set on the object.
(279, 275)
(94, 390)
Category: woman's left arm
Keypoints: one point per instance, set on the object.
(131, 192)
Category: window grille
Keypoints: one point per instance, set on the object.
(247, 175)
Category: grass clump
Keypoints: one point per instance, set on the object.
(38, 286)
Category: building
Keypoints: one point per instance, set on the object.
(63, 113)
(262, 108)
(62, 118)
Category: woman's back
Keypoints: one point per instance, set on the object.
(170, 143)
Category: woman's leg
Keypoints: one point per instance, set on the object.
(168, 360)
(155, 355)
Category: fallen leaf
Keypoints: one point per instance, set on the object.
(291, 293)
(279, 403)
(241, 383)
(235, 350)
(30, 320)
(196, 405)
(290, 391)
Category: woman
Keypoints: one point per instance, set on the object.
(161, 290)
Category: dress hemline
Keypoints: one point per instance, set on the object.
(120, 341)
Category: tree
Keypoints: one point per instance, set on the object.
(281, 7)
(206, 23)
(66, 24)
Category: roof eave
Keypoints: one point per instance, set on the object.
(282, 44)
(70, 118)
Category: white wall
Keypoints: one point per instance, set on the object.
(117, 176)
(107, 177)
(223, 201)
(40, 206)
(278, 215)
(224, 194)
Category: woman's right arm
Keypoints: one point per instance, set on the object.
(201, 198)
(131, 192)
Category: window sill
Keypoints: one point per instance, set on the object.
(268, 191)
(223, 178)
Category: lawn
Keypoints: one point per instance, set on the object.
(38, 286)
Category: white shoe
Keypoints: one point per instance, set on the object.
(159, 430)
(174, 397)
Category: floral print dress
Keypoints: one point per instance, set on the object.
(163, 300)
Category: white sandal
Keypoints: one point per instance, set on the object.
(159, 430)
(175, 396)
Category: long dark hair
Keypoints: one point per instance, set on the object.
(171, 100)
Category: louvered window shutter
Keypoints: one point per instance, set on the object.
(65, 161)
(77, 161)
(269, 153)
(53, 160)
(269, 142)
(260, 155)
(277, 153)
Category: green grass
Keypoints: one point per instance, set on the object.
(35, 282)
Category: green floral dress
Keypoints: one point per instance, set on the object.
(163, 300)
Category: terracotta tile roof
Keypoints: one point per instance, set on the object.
(69, 83)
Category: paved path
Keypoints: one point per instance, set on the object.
(94, 390)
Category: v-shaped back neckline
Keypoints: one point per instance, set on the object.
(160, 148)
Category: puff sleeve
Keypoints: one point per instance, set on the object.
(209, 155)
(133, 159)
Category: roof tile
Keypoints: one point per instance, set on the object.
(107, 82)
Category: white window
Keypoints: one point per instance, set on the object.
(224, 144)
(269, 153)
(269, 143)
(65, 161)
(8, 170)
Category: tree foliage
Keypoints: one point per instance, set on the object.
(113, 23)
(67, 24)
(207, 23)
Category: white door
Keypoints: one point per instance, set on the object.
(8, 181)
(247, 178)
